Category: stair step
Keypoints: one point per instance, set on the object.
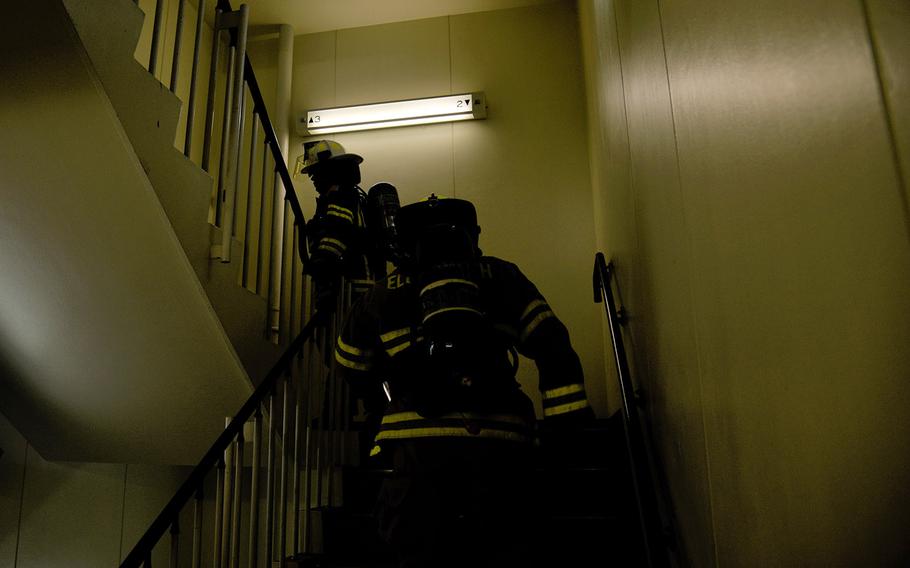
(568, 491)
(587, 537)
(349, 536)
(351, 539)
(600, 444)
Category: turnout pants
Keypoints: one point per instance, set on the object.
(463, 502)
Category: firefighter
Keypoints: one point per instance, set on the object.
(439, 337)
(337, 232)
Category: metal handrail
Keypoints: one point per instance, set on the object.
(637, 448)
(280, 258)
(271, 138)
(215, 454)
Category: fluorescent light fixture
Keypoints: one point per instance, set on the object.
(449, 108)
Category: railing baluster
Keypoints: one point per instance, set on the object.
(254, 124)
(320, 417)
(234, 136)
(331, 407)
(210, 99)
(270, 484)
(223, 155)
(293, 312)
(346, 396)
(237, 502)
(219, 511)
(178, 41)
(283, 481)
(310, 366)
(253, 559)
(282, 331)
(261, 246)
(295, 483)
(275, 252)
(156, 36)
(225, 528)
(175, 543)
(198, 504)
(275, 258)
(197, 55)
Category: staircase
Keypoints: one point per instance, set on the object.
(582, 479)
(280, 480)
(586, 508)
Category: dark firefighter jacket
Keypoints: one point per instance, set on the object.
(337, 234)
(381, 341)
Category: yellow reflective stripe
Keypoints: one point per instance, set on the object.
(376, 450)
(563, 391)
(565, 408)
(398, 348)
(331, 249)
(452, 432)
(352, 350)
(341, 212)
(534, 323)
(455, 309)
(531, 306)
(406, 416)
(386, 337)
(400, 417)
(342, 360)
(337, 214)
(439, 283)
(336, 242)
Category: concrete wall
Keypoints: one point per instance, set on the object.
(750, 166)
(525, 167)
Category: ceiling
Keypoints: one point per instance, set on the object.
(310, 16)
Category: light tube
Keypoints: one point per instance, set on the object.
(449, 108)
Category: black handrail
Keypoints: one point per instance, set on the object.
(271, 139)
(171, 511)
(649, 518)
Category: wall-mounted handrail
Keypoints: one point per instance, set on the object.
(638, 450)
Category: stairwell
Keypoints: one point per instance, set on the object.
(581, 478)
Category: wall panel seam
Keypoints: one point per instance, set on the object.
(21, 504)
(631, 173)
(123, 511)
(875, 48)
(692, 295)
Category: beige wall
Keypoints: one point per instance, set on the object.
(750, 191)
(77, 514)
(525, 167)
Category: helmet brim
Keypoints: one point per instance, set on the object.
(344, 157)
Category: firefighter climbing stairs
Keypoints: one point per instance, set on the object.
(585, 499)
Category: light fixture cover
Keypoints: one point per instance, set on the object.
(448, 108)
